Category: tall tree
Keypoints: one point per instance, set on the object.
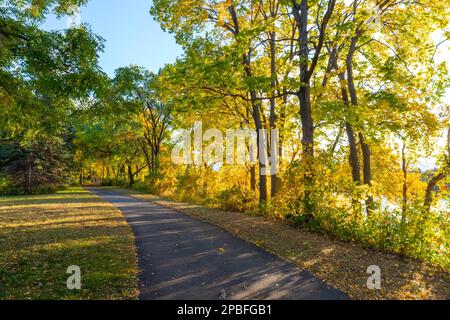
(301, 13)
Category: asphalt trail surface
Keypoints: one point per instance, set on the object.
(183, 258)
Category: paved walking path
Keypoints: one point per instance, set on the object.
(184, 258)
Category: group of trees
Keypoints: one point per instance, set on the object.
(60, 112)
(355, 89)
(42, 74)
(362, 71)
(122, 132)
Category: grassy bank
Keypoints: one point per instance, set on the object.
(41, 236)
(341, 264)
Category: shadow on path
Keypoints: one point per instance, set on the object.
(182, 258)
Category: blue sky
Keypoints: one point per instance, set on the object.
(131, 34)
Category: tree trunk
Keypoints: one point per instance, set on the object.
(430, 189)
(354, 158)
(367, 169)
(304, 95)
(246, 60)
(253, 178)
(436, 179)
(156, 161)
(273, 74)
(28, 176)
(405, 196)
(145, 151)
(405, 183)
(308, 148)
(262, 166)
(130, 176)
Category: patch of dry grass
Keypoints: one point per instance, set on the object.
(41, 236)
(342, 265)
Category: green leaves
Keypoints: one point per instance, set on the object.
(43, 77)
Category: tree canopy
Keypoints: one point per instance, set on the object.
(354, 89)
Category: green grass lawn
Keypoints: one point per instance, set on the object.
(41, 236)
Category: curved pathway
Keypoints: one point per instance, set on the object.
(182, 258)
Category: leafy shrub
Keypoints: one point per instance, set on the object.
(419, 237)
(9, 189)
(143, 186)
(339, 212)
(119, 182)
(236, 199)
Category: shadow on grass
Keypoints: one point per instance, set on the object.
(40, 272)
(39, 243)
(66, 199)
